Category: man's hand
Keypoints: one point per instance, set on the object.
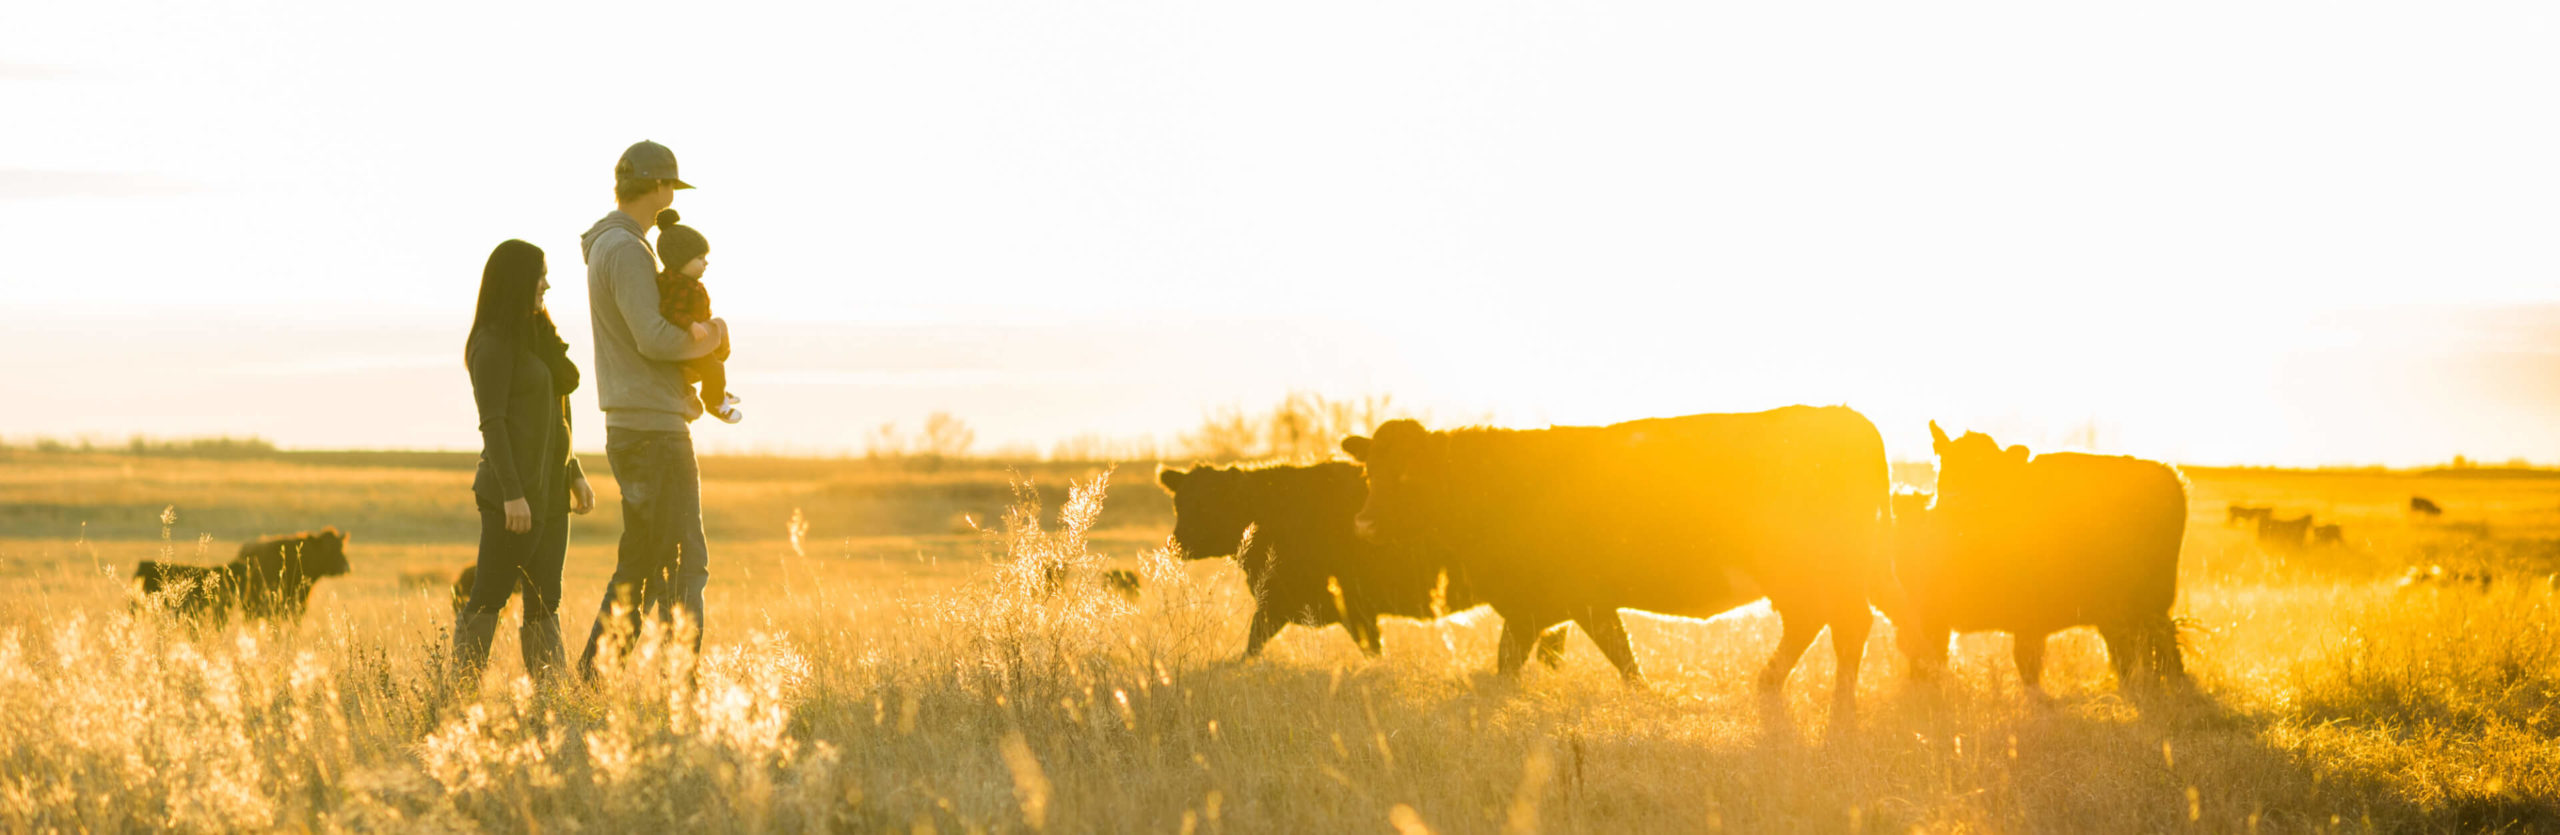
(582, 498)
(519, 516)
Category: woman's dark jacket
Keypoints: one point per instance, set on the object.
(522, 395)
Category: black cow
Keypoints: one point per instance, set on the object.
(2424, 506)
(2241, 514)
(1687, 516)
(2284, 536)
(463, 582)
(2032, 546)
(271, 579)
(1302, 548)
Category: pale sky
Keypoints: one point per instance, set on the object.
(2225, 232)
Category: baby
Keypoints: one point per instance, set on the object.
(686, 304)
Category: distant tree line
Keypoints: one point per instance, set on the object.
(215, 447)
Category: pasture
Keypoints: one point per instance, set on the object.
(883, 668)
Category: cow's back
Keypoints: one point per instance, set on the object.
(1689, 515)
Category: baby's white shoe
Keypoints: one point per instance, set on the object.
(728, 411)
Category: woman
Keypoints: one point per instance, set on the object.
(528, 482)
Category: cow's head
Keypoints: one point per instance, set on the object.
(1211, 508)
(324, 554)
(1974, 468)
(1399, 462)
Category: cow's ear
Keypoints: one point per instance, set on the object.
(2019, 452)
(1358, 447)
(1169, 477)
(1937, 438)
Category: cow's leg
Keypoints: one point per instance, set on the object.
(1924, 647)
(2028, 649)
(1610, 633)
(2167, 662)
(1551, 648)
(1520, 631)
(1363, 627)
(1266, 623)
(1848, 653)
(1799, 630)
(2124, 650)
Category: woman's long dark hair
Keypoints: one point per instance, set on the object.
(509, 316)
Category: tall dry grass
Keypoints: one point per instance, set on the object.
(1027, 697)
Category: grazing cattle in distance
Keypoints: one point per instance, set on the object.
(1689, 516)
(2437, 575)
(2032, 545)
(462, 583)
(2243, 514)
(271, 579)
(1123, 582)
(1302, 548)
(2329, 534)
(2284, 536)
(2424, 506)
(1056, 576)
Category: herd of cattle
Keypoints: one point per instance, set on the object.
(1688, 516)
(1695, 516)
(2287, 536)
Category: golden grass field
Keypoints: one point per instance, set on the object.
(888, 674)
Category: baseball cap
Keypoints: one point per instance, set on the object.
(648, 161)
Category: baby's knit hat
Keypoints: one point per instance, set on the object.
(678, 244)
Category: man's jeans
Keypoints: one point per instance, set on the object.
(662, 566)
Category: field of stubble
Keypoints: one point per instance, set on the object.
(886, 673)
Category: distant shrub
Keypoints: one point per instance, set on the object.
(943, 439)
(1302, 426)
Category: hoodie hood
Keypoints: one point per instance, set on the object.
(612, 220)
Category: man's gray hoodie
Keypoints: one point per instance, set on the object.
(637, 350)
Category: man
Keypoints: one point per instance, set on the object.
(661, 566)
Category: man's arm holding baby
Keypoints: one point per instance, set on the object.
(635, 291)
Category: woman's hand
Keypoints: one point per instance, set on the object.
(701, 331)
(582, 498)
(519, 516)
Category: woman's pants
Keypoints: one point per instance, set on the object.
(509, 561)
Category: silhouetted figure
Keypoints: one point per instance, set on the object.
(661, 565)
(2327, 535)
(527, 482)
(2241, 514)
(1689, 516)
(687, 304)
(2033, 546)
